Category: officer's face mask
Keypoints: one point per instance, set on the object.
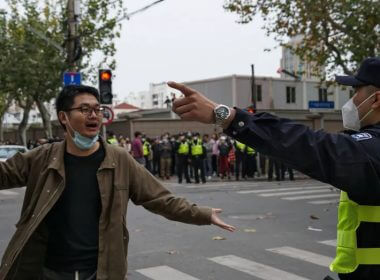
(82, 142)
(350, 114)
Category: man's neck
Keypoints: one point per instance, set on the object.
(71, 148)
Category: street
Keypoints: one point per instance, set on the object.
(286, 230)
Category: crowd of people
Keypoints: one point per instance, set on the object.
(197, 158)
(192, 157)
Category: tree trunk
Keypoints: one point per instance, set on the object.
(45, 115)
(1, 129)
(2, 113)
(24, 122)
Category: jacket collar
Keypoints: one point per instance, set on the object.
(56, 160)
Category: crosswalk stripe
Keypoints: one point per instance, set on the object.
(293, 193)
(310, 196)
(165, 273)
(327, 201)
(6, 192)
(329, 242)
(282, 189)
(302, 255)
(255, 269)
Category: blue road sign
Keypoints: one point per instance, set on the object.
(72, 78)
(321, 105)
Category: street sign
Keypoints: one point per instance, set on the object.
(108, 115)
(321, 105)
(72, 78)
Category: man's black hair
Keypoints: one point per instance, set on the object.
(65, 98)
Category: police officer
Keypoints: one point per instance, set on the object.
(350, 162)
(147, 152)
(182, 150)
(197, 158)
(250, 165)
(240, 160)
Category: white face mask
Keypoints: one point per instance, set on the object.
(350, 114)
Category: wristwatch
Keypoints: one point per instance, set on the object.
(221, 112)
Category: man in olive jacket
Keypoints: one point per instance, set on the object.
(73, 219)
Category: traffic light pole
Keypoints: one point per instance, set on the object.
(71, 34)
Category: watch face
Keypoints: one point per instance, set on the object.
(222, 112)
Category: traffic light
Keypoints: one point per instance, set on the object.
(250, 109)
(105, 86)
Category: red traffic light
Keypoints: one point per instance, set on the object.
(105, 76)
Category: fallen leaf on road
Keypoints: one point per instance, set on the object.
(313, 217)
(314, 229)
(249, 230)
(218, 238)
(172, 252)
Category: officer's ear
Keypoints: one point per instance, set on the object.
(376, 104)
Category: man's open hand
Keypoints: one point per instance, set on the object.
(215, 220)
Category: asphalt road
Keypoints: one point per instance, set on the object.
(286, 230)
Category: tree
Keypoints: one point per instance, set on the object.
(42, 62)
(336, 34)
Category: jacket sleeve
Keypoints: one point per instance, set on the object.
(15, 171)
(146, 190)
(337, 159)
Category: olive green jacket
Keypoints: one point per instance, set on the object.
(120, 178)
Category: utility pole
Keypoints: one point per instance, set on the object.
(72, 33)
(253, 87)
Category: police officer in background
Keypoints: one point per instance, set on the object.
(147, 151)
(182, 149)
(197, 158)
(240, 162)
(349, 162)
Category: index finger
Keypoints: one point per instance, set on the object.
(182, 88)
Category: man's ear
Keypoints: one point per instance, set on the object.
(62, 117)
(376, 104)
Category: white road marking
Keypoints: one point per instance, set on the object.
(302, 255)
(282, 189)
(310, 196)
(328, 201)
(329, 242)
(255, 269)
(293, 193)
(165, 273)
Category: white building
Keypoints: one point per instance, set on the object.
(162, 95)
(294, 64)
(15, 113)
(141, 99)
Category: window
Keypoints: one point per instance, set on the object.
(322, 93)
(290, 95)
(259, 96)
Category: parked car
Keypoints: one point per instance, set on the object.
(8, 151)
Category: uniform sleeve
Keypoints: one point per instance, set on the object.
(337, 159)
(147, 191)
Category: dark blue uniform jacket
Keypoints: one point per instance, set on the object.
(348, 162)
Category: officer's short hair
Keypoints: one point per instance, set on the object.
(65, 98)
(371, 89)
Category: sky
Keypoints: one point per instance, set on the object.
(186, 40)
